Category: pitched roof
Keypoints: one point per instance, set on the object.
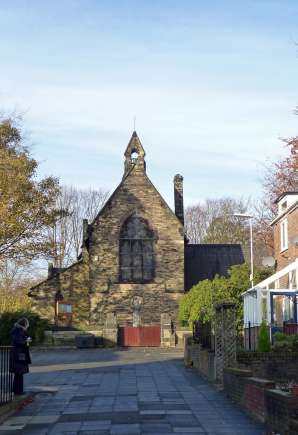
(288, 192)
(206, 261)
(134, 144)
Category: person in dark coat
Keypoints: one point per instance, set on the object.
(20, 357)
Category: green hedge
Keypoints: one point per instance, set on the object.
(36, 328)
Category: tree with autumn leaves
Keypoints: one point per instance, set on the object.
(279, 177)
(27, 203)
(213, 220)
(39, 219)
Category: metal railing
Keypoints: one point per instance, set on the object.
(6, 378)
(202, 334)
(251, 332)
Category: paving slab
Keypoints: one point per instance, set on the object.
(123, 392)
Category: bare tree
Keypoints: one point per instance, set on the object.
(60, 232)
(279, 177)
(65, 235)
(195, 223)
(213, 222)
(86, 205)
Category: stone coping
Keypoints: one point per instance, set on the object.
(238, 372)
(73, 333)
(261, 382)
(285, 395)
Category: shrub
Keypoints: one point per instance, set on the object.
(279, 336)
(199, 302)
(36, 328)
(13, 301)
(283, 342)
(264, 344)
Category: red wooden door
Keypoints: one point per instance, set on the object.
(150, 335)
(131, 336)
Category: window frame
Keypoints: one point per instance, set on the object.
(284, 235)
(132, 243)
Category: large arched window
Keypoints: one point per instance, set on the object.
(136, 251)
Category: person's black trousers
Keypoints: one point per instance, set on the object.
(18, 383)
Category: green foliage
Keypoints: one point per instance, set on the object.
(36, 328)
(264, 344)
(199, 302)
(285, 343)
(27, 203)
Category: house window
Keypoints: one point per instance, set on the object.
(64, 308)
(293, 279)
(284, 235)
(136, 251)
(264, 307)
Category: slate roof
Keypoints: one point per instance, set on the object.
(206, 261)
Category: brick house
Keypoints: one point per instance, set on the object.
(132, 262)
(285, 227)
(275, 299)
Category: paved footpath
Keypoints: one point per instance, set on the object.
(123, 392)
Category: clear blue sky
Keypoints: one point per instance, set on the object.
(213, 86)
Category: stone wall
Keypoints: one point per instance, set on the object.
(73, 283)
(92, 286)
(136, 194)
(68, 338)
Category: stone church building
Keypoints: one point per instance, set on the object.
(132, 262)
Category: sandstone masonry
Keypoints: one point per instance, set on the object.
(132, 251)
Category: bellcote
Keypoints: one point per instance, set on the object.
(134, 155)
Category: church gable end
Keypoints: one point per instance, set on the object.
(133, 250)
(136, 248)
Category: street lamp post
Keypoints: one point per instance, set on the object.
(248, 216)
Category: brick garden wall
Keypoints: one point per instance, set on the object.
(259, 398)
(279, 366)
(201, 359)
(247, 391)
(281, 408)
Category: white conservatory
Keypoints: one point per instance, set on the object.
(277, 306)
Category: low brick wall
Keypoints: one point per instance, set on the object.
(281, 408)
(293, 429)
(279, 366)
(247, 391)
(234, 383)
(206, 364)
(181, 334)
(201, 359)
(259, 398)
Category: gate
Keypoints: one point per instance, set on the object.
(6, 378)
(133, 336)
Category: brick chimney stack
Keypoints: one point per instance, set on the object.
(178, 197)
